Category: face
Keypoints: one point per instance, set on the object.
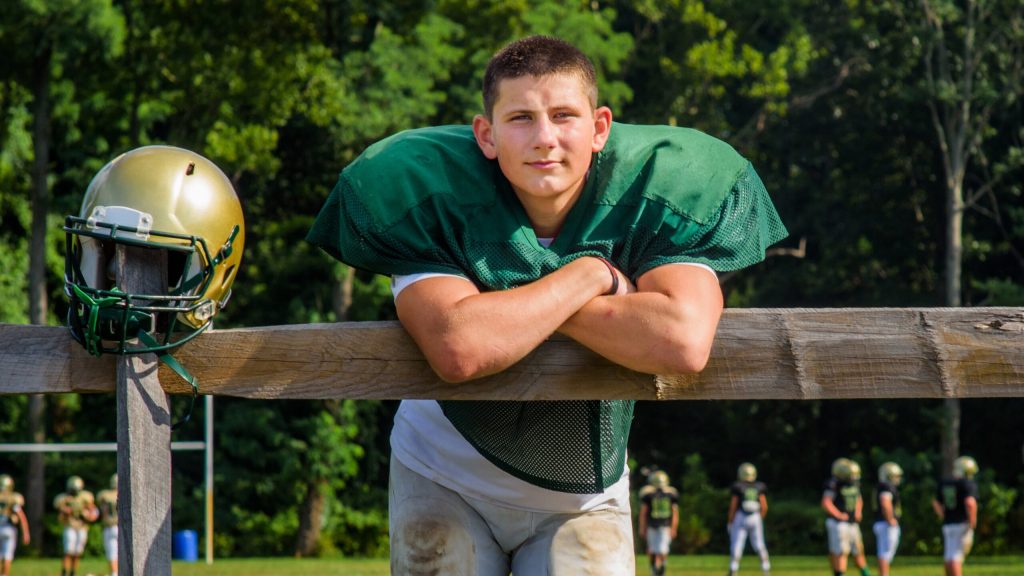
(543, 132)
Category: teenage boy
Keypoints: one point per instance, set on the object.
(541, 217)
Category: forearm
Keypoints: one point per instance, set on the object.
(666, 327)
(831, 510)
(472, 334)
(887, 512)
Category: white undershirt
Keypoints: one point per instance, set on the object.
(426, 442)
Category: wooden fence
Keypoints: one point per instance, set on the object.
(790, 354)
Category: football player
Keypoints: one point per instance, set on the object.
(659, 519)
(76, 509)
(887, 514)
(747, 509)
(956, 504)
(843, 507)
(543, 216)
(12, 517)
(106, 501)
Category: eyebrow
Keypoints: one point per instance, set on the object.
(559, 108)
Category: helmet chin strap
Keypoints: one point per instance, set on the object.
(93, 341)
(180, 370)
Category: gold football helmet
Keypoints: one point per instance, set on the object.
(891, 473)
(964, 468)
(74, 485)
(6, 483)
(746, 472)
(846, 469)
(658, 479)
(163, 198)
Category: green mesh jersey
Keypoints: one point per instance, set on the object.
(427, 200)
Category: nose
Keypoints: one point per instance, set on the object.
(545, 133)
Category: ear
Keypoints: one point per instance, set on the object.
(484, 133)
(602, 127)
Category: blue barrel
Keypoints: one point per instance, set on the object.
(184, 546)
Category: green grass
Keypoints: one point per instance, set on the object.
(677, 566)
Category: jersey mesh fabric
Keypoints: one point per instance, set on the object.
(586, 455)
(428, 201)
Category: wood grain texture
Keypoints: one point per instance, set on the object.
(796, 354)
(143, 437)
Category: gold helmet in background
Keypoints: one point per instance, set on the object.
(746, 472)
(6, 483)
(964, 468)
(846, 470)
(658, 479)
(162, 198)
(74, 485)
(890, 472)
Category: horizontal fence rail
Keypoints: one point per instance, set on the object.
(795, 354)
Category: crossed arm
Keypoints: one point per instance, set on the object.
(664, 324)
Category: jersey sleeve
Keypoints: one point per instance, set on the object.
(735, 236)
(398, 208)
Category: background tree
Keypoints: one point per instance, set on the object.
(971, 52)
(46, 44)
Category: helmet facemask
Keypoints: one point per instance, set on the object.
(104, 318)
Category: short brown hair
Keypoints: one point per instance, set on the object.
(537, 56)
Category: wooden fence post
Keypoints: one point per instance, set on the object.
(143, 436)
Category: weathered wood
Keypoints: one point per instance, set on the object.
(143, 437)
(758, 353)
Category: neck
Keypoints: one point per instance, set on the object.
(547, 215)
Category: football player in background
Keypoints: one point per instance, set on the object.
(106, 500)
(843, 507)
(76, 509)
(956, 504)
(12, 517)
(748, 506)
(659, 519)
(887, 514)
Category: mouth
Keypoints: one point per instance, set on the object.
(544, 164)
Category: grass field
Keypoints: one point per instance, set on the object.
(677, 566)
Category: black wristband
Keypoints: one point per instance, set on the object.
(615, 277)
